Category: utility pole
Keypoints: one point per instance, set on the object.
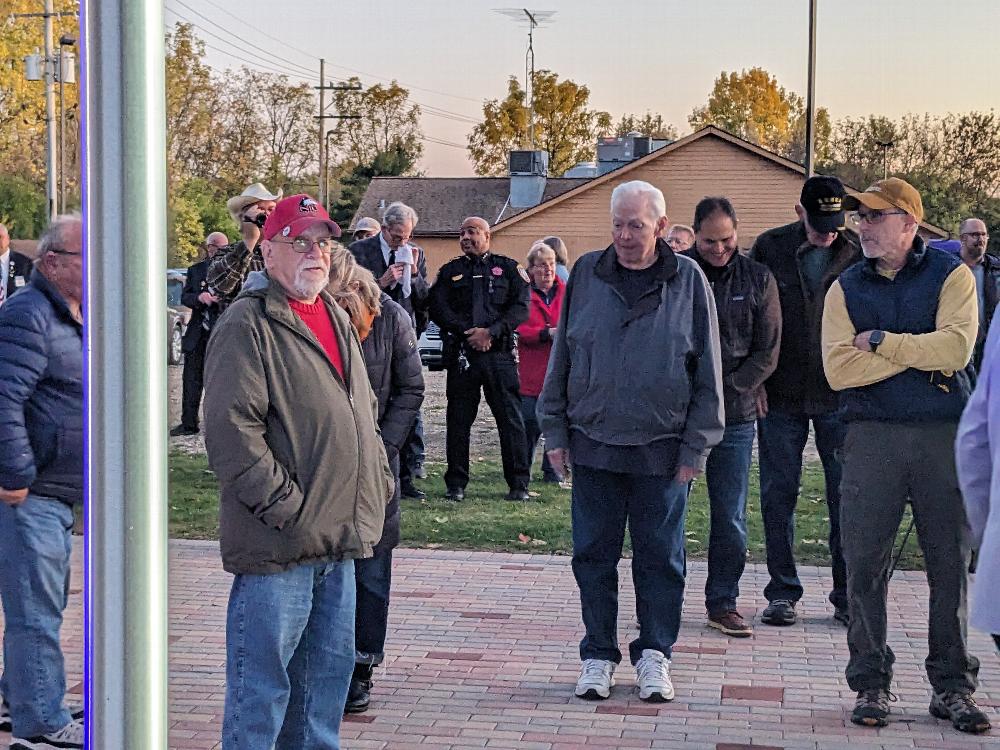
(811, 94)
(50, 114)
(66, 75)
(322, 136)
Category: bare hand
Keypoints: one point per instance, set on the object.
(761, 403)
(559, 458)
(13, 497)
(861, 341)
(479, 339)
(207, 298)
(685, 474)
(415, 266)
(392, 275)
(250, 233)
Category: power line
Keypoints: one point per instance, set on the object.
(244, 40)
(272, 66)
(260, 31)
(440, 142)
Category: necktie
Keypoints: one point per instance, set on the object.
(392, 256)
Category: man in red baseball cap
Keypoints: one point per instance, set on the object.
(290, 428)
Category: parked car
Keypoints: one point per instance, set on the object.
(431, 348)
(177, 316)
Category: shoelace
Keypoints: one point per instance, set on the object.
(880, 698)
(654, 667)
(786, 602)
(960, 702)
(72, 732)
(594, 668)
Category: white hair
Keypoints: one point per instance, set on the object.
(54, 236)
(638, 188)
(399, 213)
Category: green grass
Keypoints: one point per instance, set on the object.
(486, 522)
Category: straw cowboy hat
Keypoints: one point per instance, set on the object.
(253, 194)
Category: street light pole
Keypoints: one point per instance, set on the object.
(50, 114)
(326, 166)
(64, 41)
(811, 94)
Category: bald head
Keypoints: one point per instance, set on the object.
(475, 236)
(215, 242)
(974, 237)
(4, 239)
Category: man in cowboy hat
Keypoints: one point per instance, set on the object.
(230, 267)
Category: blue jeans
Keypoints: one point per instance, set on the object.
(533, 432)
(727, 475)
(654, 508)
(781, 441)
(373, 577)
(289, 658)
(35, 547)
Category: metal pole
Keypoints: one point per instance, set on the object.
(62, 136)
(50, 113)
(321, 187)
(811, 94)
(124, 209)
(326, 172)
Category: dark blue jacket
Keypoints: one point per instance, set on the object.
(41, 394)
(906, 304)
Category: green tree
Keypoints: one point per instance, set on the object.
(185, 232)
(751, 105)
(392, 163)
(192, 101)
(563, 125)
(649, 124)
(383, 121)
(23, 208)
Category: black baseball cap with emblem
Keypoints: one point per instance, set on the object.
(823, 200)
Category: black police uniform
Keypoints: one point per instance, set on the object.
(488, 292)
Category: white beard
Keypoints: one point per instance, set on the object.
(308, 288)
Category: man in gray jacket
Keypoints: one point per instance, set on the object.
(290, 428)
(633, 394)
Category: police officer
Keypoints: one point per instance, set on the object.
(478, 300)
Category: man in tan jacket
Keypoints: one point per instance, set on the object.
(291, 435)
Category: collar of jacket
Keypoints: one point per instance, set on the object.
(913, 260)
(473, 260)
(46, 287)
(991, 264)
(605, 267)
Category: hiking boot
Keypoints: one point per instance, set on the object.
(410, 492)
(518, 495)
(454, 494)
(70, 736)
(75, 713)
(779, 612)
(730, 623)
(961, 710)
(596, 678)
(359, 693)
(842, 615)
(871, 709)
(653, 670)
(181, 430)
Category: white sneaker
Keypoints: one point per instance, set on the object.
(653, 670)
(70, 736)
(596, 678)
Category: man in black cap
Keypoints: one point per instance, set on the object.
(805, 257)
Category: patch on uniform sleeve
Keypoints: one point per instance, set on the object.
(524, 274)
(457, 277)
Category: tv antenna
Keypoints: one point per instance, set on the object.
(533, 19)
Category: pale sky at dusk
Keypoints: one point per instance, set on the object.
(874, 56)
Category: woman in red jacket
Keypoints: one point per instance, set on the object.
(535, 337)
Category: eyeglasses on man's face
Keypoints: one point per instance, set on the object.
(873, 217)
(304, 244)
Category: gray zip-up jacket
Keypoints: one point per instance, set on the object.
(629, 376)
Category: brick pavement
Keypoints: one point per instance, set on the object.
(482, 654)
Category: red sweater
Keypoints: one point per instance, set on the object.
(318, 319)
(534, 344)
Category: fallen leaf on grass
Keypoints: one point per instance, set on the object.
(525, 539)
(440, 519)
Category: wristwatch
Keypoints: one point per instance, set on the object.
(875, 338)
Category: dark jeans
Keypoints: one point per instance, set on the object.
(411, 456)
(654, 509)
(373, 577)
(532, 433)
(193, 384)
(496, 375)
(727, 475)
(781, 439)
(886, 465)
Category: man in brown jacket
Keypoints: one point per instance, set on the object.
(291, 435)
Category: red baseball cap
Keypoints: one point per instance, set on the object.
(296, 213)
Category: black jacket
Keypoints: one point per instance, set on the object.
(505, 286)
(799, 385)
(41, 393)
(394, 371)
(746, 299)
(203, 316)
(368, 254)
(991, 294)
(18, 272)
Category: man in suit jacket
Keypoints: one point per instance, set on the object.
(204, 312)
(406, 283)
(15, 269)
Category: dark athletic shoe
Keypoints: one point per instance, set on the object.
(779, 612)
(961, 710)
(871, 709)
